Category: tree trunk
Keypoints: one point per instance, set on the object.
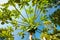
(31, 34)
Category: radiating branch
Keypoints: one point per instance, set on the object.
(18, 10)
(26, 12)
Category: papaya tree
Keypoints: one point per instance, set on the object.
(33, 9)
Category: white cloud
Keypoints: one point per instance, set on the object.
(11, 8)
(3, 1)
